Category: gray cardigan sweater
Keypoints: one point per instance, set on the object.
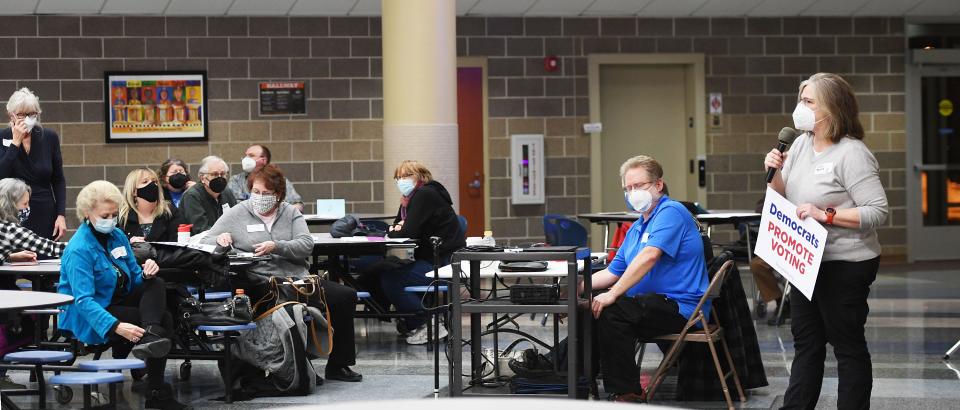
(289, 231)
(845, 175)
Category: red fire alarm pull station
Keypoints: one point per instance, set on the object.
(551, 63)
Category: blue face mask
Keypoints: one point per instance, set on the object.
(23, 215)
(104, 226)
(405, 185)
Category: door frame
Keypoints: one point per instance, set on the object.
(481, 62)
(696, 102)
(914, 160)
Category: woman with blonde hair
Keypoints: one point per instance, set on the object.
(834, 178)
(145, 215)
(32, 153)
(116, 300)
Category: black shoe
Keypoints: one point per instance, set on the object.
(153, 345)
(343, 374)
(319, 380)
(784, 315)
(137, 374)
(628, 397)
(162, 398)
(532, 365)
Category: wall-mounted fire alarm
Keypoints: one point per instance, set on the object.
(551, 63)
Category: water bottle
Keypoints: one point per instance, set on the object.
(488, 239)
(241, 305)
(183, 233)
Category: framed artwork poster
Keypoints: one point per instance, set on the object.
(155, 106)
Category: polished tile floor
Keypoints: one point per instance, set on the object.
(914, 319)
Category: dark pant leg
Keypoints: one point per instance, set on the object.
(622, 325)
(844, 309)
(392, 283)
(146, 301)
(343, 305)
(810, 347)
(151, 298)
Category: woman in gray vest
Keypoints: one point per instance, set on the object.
(833, 178)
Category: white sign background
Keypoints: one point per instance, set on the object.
(791, 246)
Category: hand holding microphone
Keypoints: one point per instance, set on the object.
(776, 157)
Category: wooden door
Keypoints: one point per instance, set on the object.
(470, 121)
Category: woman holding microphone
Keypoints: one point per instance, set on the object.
(833, 178)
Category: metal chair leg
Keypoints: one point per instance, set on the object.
(952, 350)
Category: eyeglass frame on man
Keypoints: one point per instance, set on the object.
(638, 186)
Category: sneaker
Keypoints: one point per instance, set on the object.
(6, 383)
(153, 345)
(532, 365)
(420, 336)
(628, 397)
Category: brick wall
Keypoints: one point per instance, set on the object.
(335, 150)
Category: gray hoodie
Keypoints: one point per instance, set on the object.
(289, 231)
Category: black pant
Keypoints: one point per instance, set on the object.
(622, 325)
(343, 305)
(836, 315)
(145, 306)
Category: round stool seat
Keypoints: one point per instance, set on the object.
(423, 289)
(38, 356)
(214, 296)
(112, 364)
(227, 328)
(363, 295)
(86, 378)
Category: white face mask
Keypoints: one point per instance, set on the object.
(640, 199)
(804, 118)
(30, 122)
(263, 204)
(248, 164)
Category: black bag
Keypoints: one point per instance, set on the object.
(215, 313)
(350, 225)
(307, 290)
(212, 267)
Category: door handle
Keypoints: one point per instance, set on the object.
(475, 184)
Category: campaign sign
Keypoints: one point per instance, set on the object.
(792, 246)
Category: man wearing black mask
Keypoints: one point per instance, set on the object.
(205, 202)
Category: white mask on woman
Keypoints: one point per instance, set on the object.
(804, 118)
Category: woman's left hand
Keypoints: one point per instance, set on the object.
(264, 248)
(150, 269)
(59, 227)
(23, 256)
(805, 210)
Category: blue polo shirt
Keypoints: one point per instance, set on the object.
(681, 273)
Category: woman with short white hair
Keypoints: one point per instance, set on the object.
(115, 299)
(32, 153)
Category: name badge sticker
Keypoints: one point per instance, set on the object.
(119, 252)
(256, 228)
(7, 143)
(225, 207)
(645, 237)
(823, 169)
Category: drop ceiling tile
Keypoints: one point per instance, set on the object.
(671, 8)
(198, 8)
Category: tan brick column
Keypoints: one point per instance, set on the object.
(419, 91)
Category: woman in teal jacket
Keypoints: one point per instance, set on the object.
(113, 296)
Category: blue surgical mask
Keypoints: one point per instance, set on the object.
(23, 215)
(104, 225)
(405, 185)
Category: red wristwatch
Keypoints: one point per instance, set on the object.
(830, 214)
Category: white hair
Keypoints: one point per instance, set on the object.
(95, 193)
(11, 190)
(23, 100)
(206, 162)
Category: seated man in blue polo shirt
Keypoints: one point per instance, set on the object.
(656, 279)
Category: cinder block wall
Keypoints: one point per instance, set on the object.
(335, 150)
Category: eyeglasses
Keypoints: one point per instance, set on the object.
(638, 186)
(404, 176)
(21, 116)
(217, 174)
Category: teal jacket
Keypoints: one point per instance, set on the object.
(87, 274)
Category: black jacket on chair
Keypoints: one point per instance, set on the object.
(164, 226)
(430, 213)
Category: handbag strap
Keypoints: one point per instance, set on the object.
(313, 326)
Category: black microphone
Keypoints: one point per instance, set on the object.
(786, 137)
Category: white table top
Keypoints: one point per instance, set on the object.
(490, 269)
(19, 300)
(325, 238)
(48, 266)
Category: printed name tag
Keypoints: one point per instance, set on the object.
(119, 252)
(256, 228)
(824, 168)
(226, 207)
(645, 237)
(7, 143)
